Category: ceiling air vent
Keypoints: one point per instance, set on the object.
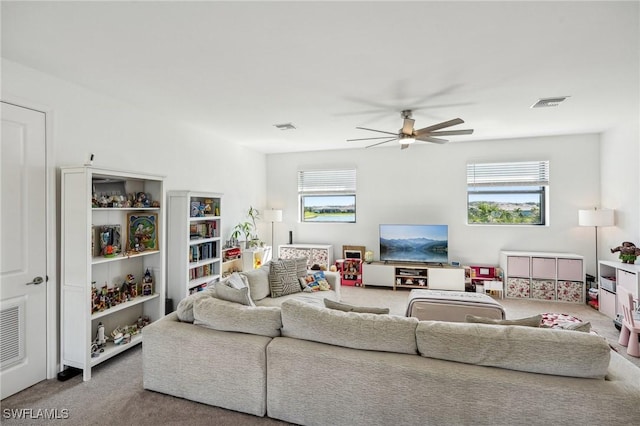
(549, 102)
(285, 126)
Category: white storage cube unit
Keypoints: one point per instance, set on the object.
(614, 275)
(544, 276)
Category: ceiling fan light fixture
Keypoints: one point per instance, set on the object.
(406, 139)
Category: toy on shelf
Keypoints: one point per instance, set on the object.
(628, 252)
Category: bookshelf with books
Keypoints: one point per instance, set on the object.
(194, 256)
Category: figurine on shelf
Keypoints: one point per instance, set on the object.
(101, 340)
(628, 252)
(95, 299)
(126, 288)
(147, 283)
(103, 201)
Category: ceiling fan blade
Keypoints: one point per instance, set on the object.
(430, 139)
(379, 131)
(452, 132)
(404, 146)
(439, 126)
(380, 143)
(367, 139)
(407, 126)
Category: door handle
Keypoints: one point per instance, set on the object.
(36, 281)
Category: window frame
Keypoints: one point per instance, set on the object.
(340, 183)
(528, 177)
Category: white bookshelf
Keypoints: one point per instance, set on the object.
(82, 263)
(195, 246)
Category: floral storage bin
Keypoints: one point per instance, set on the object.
(518, 287)
(316, 254)
(543, 289)
(570, 291)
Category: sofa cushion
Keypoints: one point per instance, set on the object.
(345, 307)
(373, 332)
(231, 294)
(229, 316)
(185, 307)
(535, 350)
(283, 277)
(258, 282)
(533, 321)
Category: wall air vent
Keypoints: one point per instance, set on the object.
(549, 102)
(285, 126)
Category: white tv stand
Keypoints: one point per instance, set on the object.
(413, 275)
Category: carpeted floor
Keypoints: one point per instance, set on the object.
(114, 395)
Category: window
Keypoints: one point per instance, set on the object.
(507, 193)
(327, 195)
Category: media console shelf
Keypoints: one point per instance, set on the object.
(411, 275)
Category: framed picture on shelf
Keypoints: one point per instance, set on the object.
(142, 231)
(106, 240)
(353, 252)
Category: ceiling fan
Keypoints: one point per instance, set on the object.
(408, 134)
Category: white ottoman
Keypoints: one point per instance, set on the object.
(452, 306)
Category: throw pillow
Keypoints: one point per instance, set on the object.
(238, 281)
(322, 281)
(352, 308)
(237, 295)
(258, 281)
(314, 282)
(533, 321)
(301, 266)
(283, 278)
(585, 327)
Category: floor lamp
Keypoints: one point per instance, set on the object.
(272, 216)
(596, 217)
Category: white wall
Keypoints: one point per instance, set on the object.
(121, 136)
(124, 137)
(427, 184)
(620, 152)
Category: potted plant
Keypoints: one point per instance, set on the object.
(248, 229)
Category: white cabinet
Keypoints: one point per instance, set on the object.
(254, 258)
(611, 276)
(544, 276)
(235, 259)
(194, 252)
(413, 276)
(112, 226)
(378, 274)
(316, 254)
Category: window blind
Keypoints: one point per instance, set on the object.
(327, 181)
(525, 173)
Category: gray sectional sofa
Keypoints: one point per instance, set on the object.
(306, 364)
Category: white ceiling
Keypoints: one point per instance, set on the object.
(238, 68)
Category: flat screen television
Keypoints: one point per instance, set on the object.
(414, 243)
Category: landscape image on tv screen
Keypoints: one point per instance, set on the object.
(414, 243)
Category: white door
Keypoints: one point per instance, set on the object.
(23, 304)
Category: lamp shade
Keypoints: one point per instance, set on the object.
(595, 217)
(272, 215)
